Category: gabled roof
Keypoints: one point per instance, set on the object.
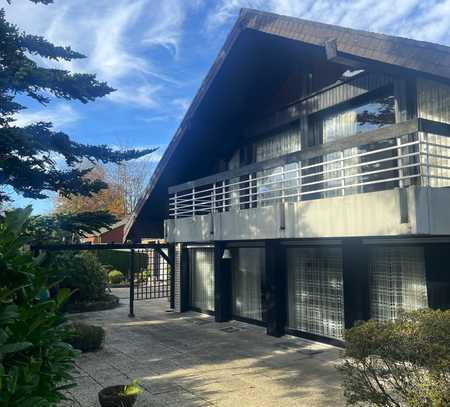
(359, 46)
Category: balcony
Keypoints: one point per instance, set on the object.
(382, 182)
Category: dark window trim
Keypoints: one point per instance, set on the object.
(249, 320)
(201, 311)
(319, 338)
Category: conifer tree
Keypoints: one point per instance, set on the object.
(27, 154)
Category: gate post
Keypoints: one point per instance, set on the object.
(131, 274)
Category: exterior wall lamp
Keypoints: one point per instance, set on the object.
(226, 254)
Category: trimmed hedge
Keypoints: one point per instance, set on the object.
(120, 260)
(108, 301)
(86, 338)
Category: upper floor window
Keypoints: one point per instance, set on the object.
(282, 141)
(358, 116)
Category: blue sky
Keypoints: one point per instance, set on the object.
(156, 53)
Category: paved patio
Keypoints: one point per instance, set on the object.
(190, 360)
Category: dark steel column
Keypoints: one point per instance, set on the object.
(356, 281)
(184, 279)
(131, 274)
(437, 259)
(222, 284)
(172, 275)
(275, 295)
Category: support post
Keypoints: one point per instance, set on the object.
(184, 279)
(172, 275)
(275, 295)
(131, 274)
(356, 281)
(222, 284)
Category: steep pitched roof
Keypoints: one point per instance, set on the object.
(357, 45)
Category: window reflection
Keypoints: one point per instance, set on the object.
(361, 116)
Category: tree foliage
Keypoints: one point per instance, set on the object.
(28, 155)
(109, 199)
(399, 363)
(35, 360)
(68, 227)
(125, 183)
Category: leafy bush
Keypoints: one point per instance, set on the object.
(115, 277)
(87, 338)
(401, 363)
(81, 273)
(35, 360)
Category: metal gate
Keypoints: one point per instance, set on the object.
(151, 274)
(150, 270)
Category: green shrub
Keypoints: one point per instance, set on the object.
(400, 363)
(86, 338)
(117, 259)
(35, 361)
(81, 273)
(115, 277)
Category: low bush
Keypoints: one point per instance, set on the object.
(86, 338)
(115, 277)
(82, 273)
(399, 363)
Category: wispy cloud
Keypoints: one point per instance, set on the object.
(60, 115)
(425, 20)
(143, 96)
(118, 38)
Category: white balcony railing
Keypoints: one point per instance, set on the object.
(416, 158)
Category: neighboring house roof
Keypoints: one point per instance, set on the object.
(114, 226)
(348, 44)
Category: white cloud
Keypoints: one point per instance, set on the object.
(182, 104)
(116, 36)
(142, 96)
(424, 20)
(154, 157)
(165, 29)
(61, 116)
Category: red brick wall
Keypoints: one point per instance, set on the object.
(113, 236)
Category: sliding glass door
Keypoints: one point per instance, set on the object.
(315, 290)
(201, 278)
(248, 273)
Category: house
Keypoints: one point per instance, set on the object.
(307, 187)
(115, 234)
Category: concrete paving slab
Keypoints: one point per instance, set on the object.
(190, 360)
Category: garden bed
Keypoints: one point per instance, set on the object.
(109, 301)
(121, 285)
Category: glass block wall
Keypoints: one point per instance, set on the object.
(248, 271)
(316, 291)
(201, 273)
(397, 281)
